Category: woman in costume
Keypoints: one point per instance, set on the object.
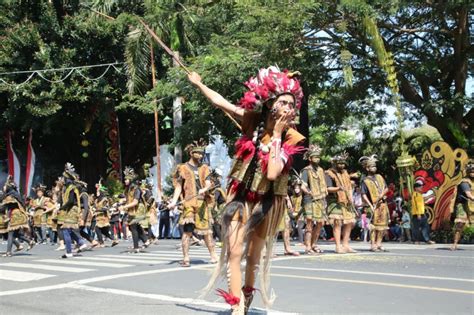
(258, 179)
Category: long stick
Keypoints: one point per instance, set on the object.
(166, 48)
(179, 62)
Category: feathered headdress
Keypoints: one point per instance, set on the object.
(368, 161)
(340, 158)
(70, 172)
(313, 150)
(196, 146)
(269, 84)
(40, 187)
(295, 181)
(129, 173)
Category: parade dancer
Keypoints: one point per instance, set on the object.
(218, 199)
(60, 213)
(150, 222)
(314, 200)
(374, 190)
(71, 203)
(14, 217)
(340, 212)
(87, 213)
(464, 204)
(135, 209)
(40, 218)
(258, 179)
(52, 217)
(192, 183)
(102, 205)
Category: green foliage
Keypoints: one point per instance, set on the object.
(468, 235)
(114, 187)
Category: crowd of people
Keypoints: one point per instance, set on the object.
(265, 196)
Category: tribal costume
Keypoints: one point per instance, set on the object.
(293, 206)
(14, 216)
(340, 207)
(71, 203)
(374, 189)
(42, 208)
(59, 215)
(464, 208)
(216, 204)
(314, 201)
(86, 216)
(102, 227)
(135, 209)
(151, 213)
(258, 180)
(192, 183)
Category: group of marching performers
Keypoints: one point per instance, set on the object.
(69, 214)
(263, 193)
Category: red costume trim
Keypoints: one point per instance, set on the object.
(228, 297)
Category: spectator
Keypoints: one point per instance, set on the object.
(406, 226)
(395, 228)
(421, 229)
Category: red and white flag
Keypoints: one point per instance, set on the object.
(30, 165)
(13, 163)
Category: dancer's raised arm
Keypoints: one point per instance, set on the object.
(216, 99)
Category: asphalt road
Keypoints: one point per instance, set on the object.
(409, 279)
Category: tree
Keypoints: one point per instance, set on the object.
(430, 43)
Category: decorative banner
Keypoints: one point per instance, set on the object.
(441, 172)
(114, 160)
(30, 165)
(13, 163)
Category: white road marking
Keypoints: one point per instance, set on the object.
(73, 261)
(134, 257)
(35, 289)
(124, 260)
(167, 298)
(373, 273)
(46, 267)
(386, 284)
(21, 276)
(423, 255)
(177, 255)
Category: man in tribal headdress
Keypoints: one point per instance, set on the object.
(135, 209)
(464, 209)
(374, 190)
(314, 202)
(340, 208)
(14, 218)
(192, 183)
(71, 203)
